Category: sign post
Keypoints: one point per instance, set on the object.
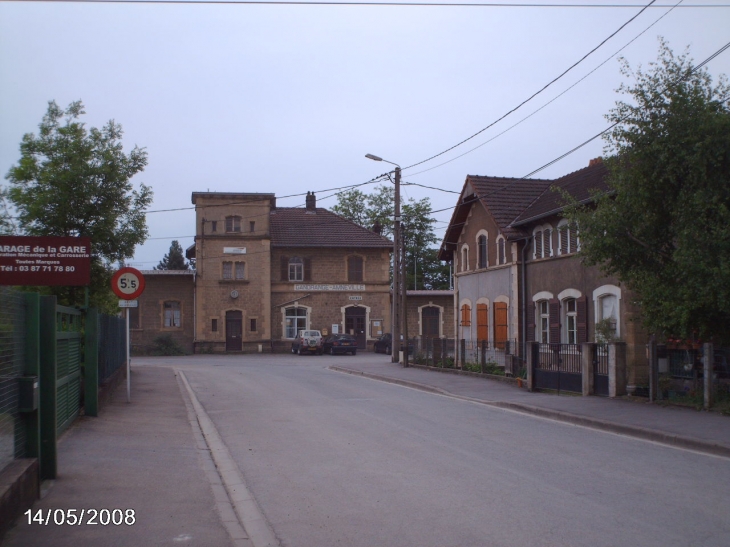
(128, 284)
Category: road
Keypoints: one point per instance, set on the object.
(335, 459)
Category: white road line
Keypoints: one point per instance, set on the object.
(249, 513)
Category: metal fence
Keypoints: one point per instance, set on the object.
(504, 358)
(112, 352)
(12, 364)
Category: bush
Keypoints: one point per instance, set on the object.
(165, 344)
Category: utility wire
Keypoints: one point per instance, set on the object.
(363, 3)
(534, 94)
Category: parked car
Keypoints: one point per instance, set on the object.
(340, 343)
(384, 344)
(307, 341)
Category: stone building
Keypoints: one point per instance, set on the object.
(263, 272)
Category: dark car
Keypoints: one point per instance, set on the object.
(384, 344)
(340, 343)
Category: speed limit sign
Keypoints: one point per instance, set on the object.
(128, 283)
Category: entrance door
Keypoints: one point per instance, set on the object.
(234, 331)
(431, 319)
(355, 325)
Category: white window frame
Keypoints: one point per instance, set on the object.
(297, 327)
(598, 295)
(485, 234)
(296, 269)
(465, 257)
(501, 245)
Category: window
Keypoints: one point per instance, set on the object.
(252, 226)
(570, 321)
(213, 225)
(233, 224)
(607, 309)
(466, 315)
(482, 322)
(567, 238)
(543, 322)
(231, 269)
(296, 269)
(172, 313)
(501, 253)
(252, 325)
(354, 269)
(214, 325)
(500, 325)
(543, 247)
(482, 252)
(465, 258)
(295, 319)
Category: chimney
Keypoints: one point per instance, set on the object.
(595, 161)
(272, 203)
(311, 202)
(377, 228)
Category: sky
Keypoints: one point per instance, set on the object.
(288, 99)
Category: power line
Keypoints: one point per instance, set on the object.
(554, 98)
(364, 3)
(534, 94)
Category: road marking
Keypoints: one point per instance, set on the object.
(247, 510)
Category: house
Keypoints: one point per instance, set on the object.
(262, 273)
(517, 275)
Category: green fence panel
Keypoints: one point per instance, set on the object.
(69, 344)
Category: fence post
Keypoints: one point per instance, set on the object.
(32, 368)
(653, 370)
(533, 354)
(91, 363)
(617, 369)
(708, 360)
(462, 352)
(587, 365)
(483, 358)
(48, 395)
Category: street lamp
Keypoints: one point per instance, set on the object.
(398, 308)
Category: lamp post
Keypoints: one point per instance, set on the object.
(397, 311)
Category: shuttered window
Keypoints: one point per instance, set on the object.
(482, 322)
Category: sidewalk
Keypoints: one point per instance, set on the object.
(141, 456)
(687, 428)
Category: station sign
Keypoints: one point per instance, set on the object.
(45, 260)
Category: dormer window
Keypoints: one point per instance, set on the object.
(543, 247)
(567, 237)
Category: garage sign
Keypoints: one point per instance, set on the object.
(45, 260)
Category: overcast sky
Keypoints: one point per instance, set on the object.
(289, 98)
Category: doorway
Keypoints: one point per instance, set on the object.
(355, 325)
(234, 331)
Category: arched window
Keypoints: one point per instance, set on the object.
(607, 305)
(542, 316)
(482, 258)
(570, 320)
(567, 237)
(543, 247)
(233, 224)
(465, 258)
(465, 315)
(501, 251)
(482, 321)
(295, 319)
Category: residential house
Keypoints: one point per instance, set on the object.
(518, 276)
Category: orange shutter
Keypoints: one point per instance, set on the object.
(482, 322)
(500, 324)
(466, 315)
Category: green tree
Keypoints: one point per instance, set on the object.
(664, 226)
(71, 181)
(423, 269)
(174, 260)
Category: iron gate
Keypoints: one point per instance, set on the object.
(558, 367)
(69, 344)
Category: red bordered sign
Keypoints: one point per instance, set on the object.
(128, 283)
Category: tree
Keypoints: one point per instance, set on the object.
(71, 181)
(174, 260)
(664, 226)
(423, 269)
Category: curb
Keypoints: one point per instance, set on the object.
(678, 441)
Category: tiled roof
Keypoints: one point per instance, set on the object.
(167, 272)
(299, 227)
(504, 198)
(580, 184)
(430, 293)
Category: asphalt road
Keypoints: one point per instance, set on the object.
(335, 459)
